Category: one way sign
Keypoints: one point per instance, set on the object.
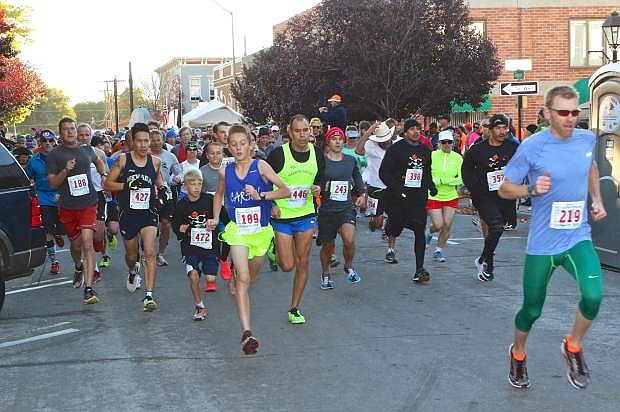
(518, 88)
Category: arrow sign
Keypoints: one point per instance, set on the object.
(518, 88)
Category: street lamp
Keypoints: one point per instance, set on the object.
(611, 27)
(232, 26)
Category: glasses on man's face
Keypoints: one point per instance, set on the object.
(485, 125)
(316, 127)
(445, 141)
(192, 149)
(50, 140)
(565, 113)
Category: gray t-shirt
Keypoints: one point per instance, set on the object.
(169, 166)
(343, 178)
(77, 191)
(209, 179)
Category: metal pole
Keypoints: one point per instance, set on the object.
(519, 115)
(614, 58)
(234, 75)
(116, 104)
(130, 90)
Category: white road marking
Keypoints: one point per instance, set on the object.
(55, 325)
(463, 239)
(452, 243)
(38, 338)
(43, 281)
(39, 287)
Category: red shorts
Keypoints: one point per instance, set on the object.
(438, 204)
(74, 220)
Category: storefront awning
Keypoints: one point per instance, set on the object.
(485, 106)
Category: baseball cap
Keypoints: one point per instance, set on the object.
(409, 123)
(445, 135)
(263, 131)
(498, 119)
(315, 121)
(45, 134)
(171, 133)
(335, 98)
(275, 128)
(333, 132)
(191, 145)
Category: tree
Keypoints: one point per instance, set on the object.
(385, 57)
(20, 91)
(152, 92)
(54, 106)
(92, 113)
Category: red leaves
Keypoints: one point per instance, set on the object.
(20, 89)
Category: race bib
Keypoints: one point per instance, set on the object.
(495, 179)
(299, 196)
(248, 220)
(139, 198)
(78, 185)
(371, 205)
(338, 190)
(227, 160)
(201, 237)
(413, 178)
(566, 215)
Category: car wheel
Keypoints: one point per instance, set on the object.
(2, 287)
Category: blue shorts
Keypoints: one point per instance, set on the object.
(295, 226)
(132, 221)
(206, 264)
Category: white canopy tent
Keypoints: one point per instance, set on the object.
(211, 112)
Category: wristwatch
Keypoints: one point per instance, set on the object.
(262, 196)
(531, 190)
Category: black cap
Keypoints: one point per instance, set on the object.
(498, 119)
(409, 123)
(191, 145)
(532, 128)
(263, 131)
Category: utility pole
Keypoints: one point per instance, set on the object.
(130, 90)
(115, 90)
(232, 27)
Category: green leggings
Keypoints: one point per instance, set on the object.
(581, 261)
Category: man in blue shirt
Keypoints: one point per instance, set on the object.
(558, 162)
(35, 169)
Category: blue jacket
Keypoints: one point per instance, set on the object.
(35, 169)
(335, 117)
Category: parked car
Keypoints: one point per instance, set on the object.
(22, 237)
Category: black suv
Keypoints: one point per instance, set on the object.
(22, 239)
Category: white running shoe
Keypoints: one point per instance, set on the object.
(132, 282)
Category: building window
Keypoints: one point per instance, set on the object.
(586, 36)
(478, 27)
(195, 87)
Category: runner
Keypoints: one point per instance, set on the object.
(446, 171)
(301, 166)
(406, 171)
(136, 175)
(483, 172)
(210, 173)
(559, 162)
(198, 239)
(68, 169)
(35, 169)
(248, 233)
(84, 138)
(171, 172)
(337, 211)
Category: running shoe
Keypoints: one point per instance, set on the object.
(421, 275)
(272, 258)
(138, 266)
(90, 297)
(249, 344)
(132, 281)
(333, 261)
(438, 257)
(384, 235)
(485, 276)
(161, 261)
(326, 282)
(508, 227)
(390, 257)
(60, 241)
(104, 262)
(78, 277)
(149, 304)
(480, 267)
(578, 374)
(55, 269)
(199, 313)
(429, 237)
(96, 276)
(210, 287)
(475, 220)
(295, 317)
(225, 271)
(517, 376)
(112, 242)
(352, 275)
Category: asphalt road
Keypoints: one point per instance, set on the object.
(385, 344)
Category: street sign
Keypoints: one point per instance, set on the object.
(518, 64)
(518, 75)
(518, 88)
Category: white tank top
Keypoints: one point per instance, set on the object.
(95, 176)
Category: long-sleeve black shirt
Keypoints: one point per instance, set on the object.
(481, 159)
(404, 156)
(195, 214)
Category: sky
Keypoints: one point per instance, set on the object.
(78, 44)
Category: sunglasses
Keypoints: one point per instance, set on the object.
(191, 149)
(48, 140)
(445, 141)
(564, 113)
(316, 127)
